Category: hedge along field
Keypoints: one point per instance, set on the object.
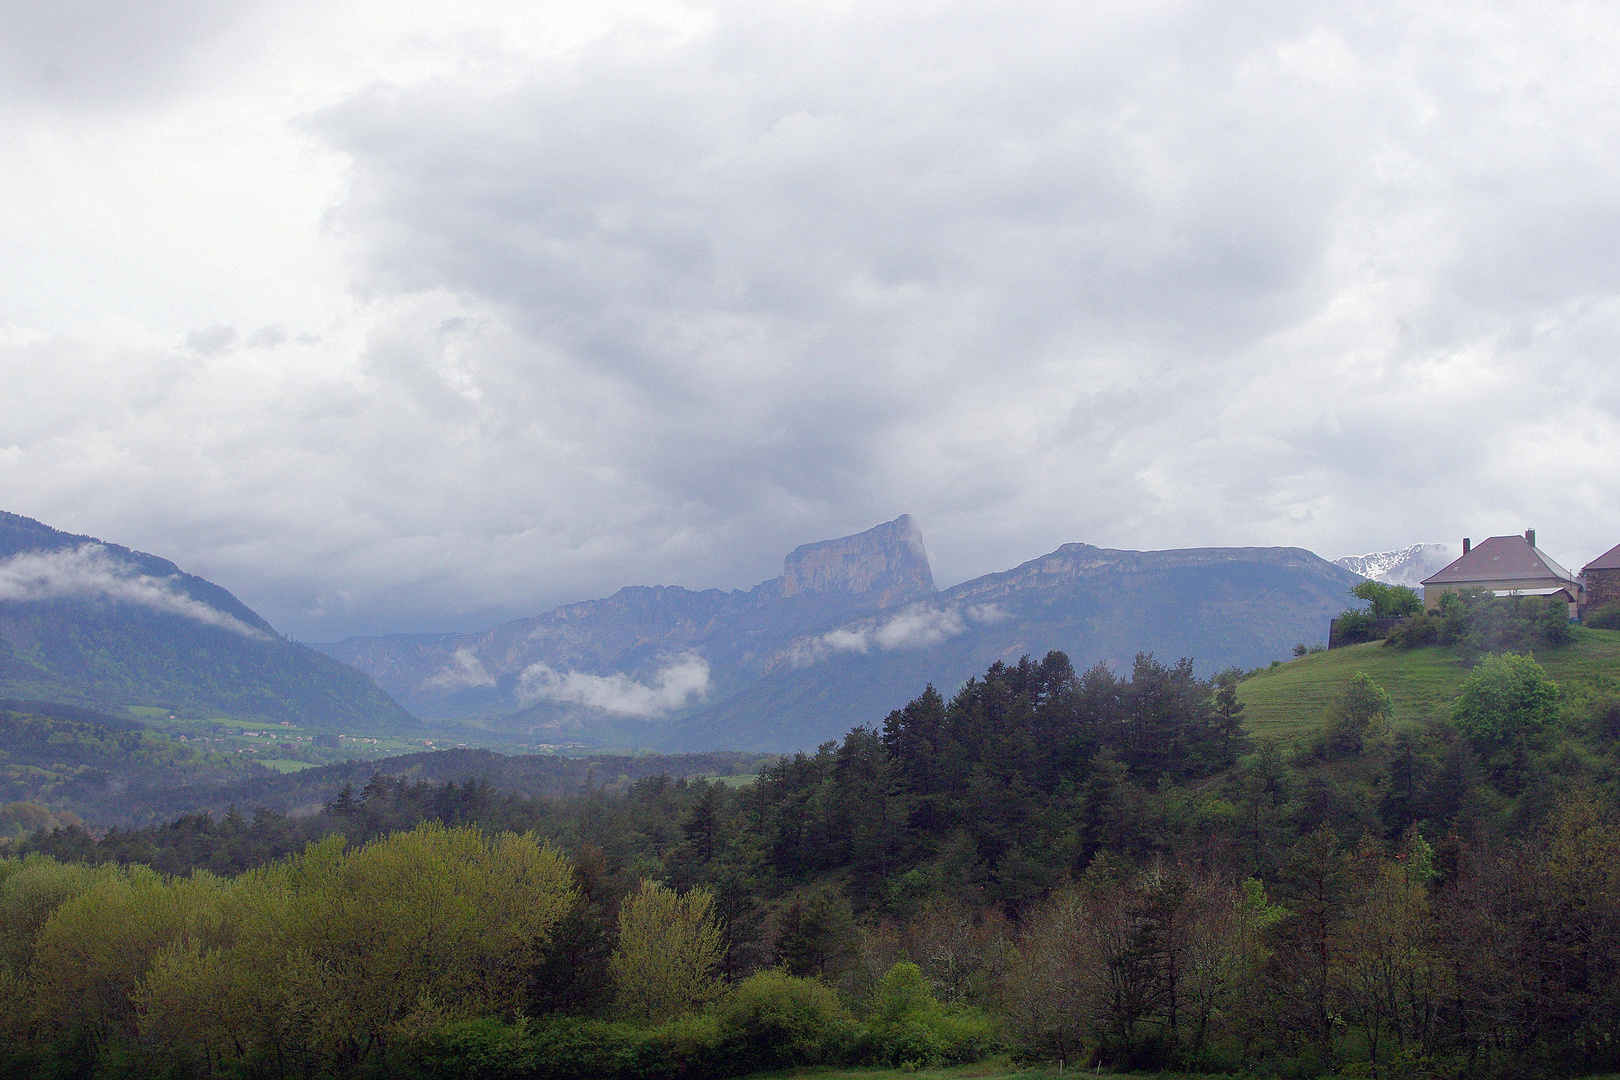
(1288, 702)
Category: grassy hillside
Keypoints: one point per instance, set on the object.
(1288, 701)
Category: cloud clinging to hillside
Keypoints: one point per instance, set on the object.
(90, 572)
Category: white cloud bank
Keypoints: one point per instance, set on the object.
(463, 672)
(90, 572)
(917, 626)
(678, 683)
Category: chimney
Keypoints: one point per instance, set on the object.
(1530, 537)
(1468, 545)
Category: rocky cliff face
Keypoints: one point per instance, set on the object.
(1075, 563)
(1219, 607)
(887, 564)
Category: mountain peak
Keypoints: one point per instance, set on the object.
(888, 560)
(1406, 566)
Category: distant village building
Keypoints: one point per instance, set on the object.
(1602, 577)
(1508, 565)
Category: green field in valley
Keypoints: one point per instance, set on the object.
(1288, 701)
(284, 765)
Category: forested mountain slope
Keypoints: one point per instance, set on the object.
(86, 622)
(102, 768)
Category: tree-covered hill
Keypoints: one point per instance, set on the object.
(113, 772)
(102, 768)
(94, 624)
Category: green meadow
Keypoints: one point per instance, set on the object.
(1287, 702)
(285, 765)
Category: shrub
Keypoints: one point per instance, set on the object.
(1352, 627)
(1477, 622)
(685, 1048)
(1603, 618)
(1507, 699)
(910, 1029)
(1598, 714)
(688, 1047)
(909, 1045)
(1358, 707)
(775, 1021)
(587, 1049)
(1420, 631)
(482, 1049)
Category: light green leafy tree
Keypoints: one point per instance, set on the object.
(94, 950)
(1507, 700)
(335, 954)
(670, 948)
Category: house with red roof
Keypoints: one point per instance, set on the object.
(1602, 576)
(1508, 565)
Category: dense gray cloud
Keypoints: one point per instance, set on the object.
(106, 54)
(714, 280)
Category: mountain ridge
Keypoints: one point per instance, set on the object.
(1221, 607)
(637, 630)
(94, 624)
(851, 627)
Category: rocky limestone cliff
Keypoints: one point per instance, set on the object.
(888, 560)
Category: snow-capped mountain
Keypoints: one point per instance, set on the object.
(1407, 566)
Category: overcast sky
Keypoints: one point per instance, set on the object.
(411, 316)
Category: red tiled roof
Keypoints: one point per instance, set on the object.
(1609, 560)
(1501, 558)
